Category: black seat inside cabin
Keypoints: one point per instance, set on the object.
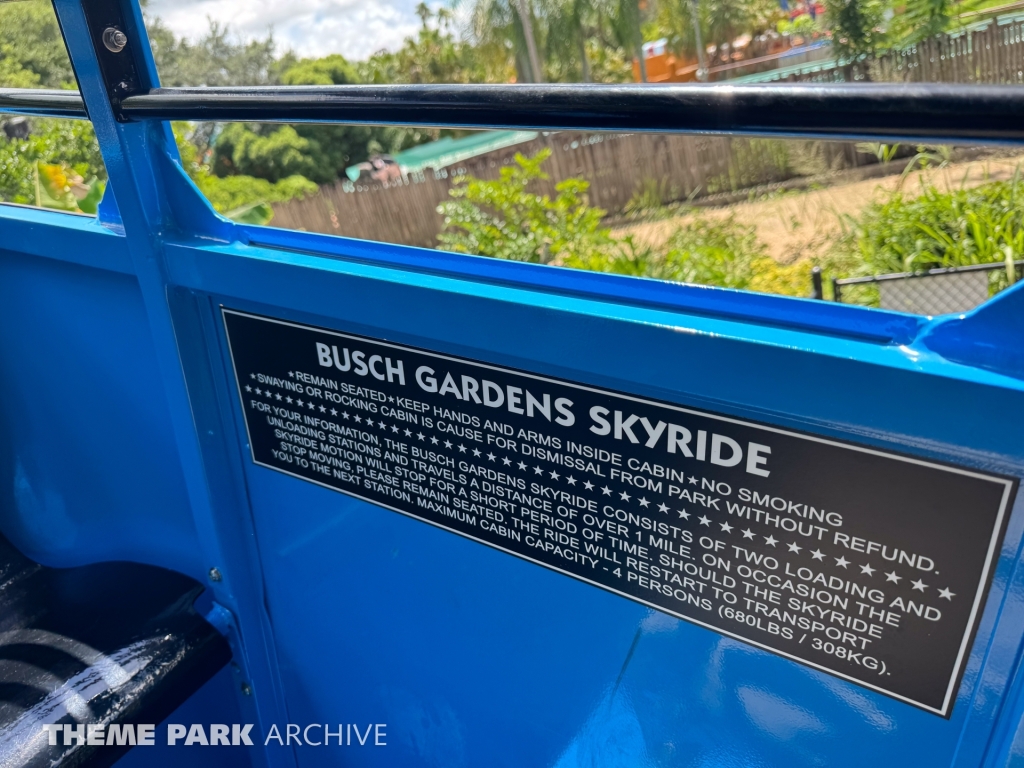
(103, 644)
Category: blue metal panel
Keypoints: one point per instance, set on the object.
(86, 454)
(215, 702)
(65, 237)
(122, 438)
(482, 658)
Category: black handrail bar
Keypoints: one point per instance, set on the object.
(40, 103)
(891, 111)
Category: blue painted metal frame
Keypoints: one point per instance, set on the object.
(345, 612)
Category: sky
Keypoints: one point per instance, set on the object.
(353, 28)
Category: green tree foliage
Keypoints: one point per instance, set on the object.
(720, 252)
(501, 218)
(932, 228)
(59, 164)
(920, 20)
(673, 20)
(864, 28)
(608, 64)
(332, 148)
(32, 53)
(269, 152)
(322, 152)
(235, 192)
(435, 55)
(726, 20)
(59, 186)
(578, 40)
(571, 25)
(721, 21)
(938, 228)
(856, 26)
(627, 23)
(318, 152)
(238, 196)
(213, 60)
(70, 144)
(497, 30)
(329, 70)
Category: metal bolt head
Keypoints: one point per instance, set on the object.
(114, 39)
(246, 690)
(215, 574)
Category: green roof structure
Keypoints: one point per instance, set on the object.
(448, 151)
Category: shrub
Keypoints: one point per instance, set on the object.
(60, 187)
(69, 144)
(701, 251)
(906, 233)
(650, 198)
(718, 252)
(230, 192)
(856, 26)
(753, 162)
(501, 218)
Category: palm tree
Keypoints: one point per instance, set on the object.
(725, 20)
(501, 25)
(525, 13)
(695, 22)
(627, 23)
(570, 24)
(698, 41)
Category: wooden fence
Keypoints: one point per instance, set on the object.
(987, 52)
(618, 166)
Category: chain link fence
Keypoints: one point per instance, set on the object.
(932, 292)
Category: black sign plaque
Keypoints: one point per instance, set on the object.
(866, 564)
